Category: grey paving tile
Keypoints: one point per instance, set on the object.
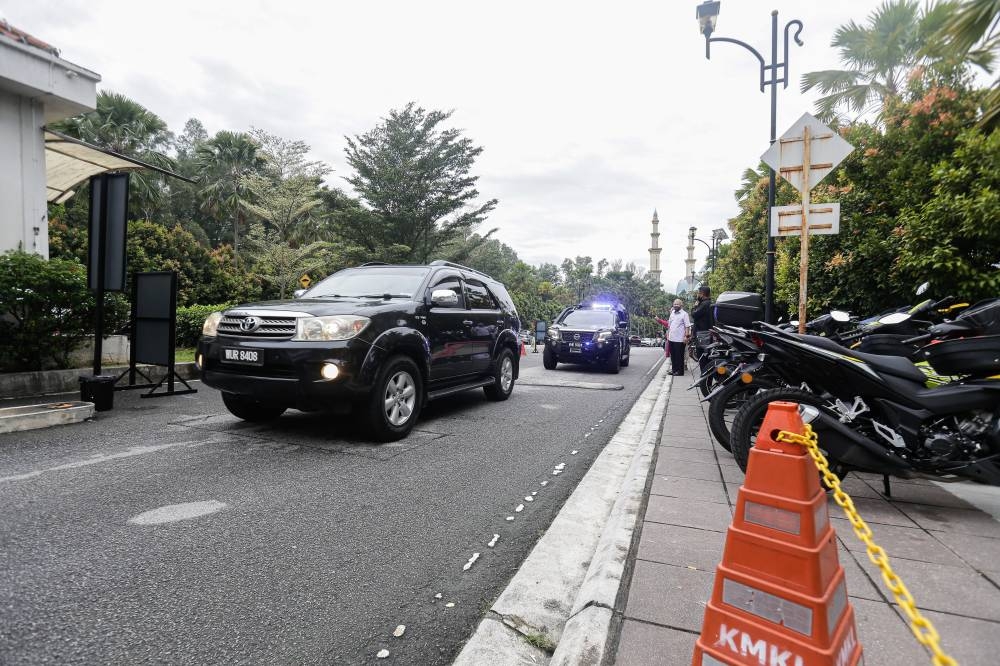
(732, 490)
(921, 494)
(909, 543)
(677, 511)
(886, 641)
(958, 590)
(948, 519)
(689, 470)
(981, 553)
(688, 443)
(690, 489)
(858, 582)
(970, 641)
(858, 488)
(669, 595)
(877, 511)
(644, 644)
(675, 453)
(681, 546)
(732, 474)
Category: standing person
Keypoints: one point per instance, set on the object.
(703, 321)
(678, 332)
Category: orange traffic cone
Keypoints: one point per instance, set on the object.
(780, 598)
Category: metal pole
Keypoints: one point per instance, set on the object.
(102, 244)
(769, 274)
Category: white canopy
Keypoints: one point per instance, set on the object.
(69, 162)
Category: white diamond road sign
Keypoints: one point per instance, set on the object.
(827, 150)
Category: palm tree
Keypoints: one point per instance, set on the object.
(124, 126)
(224, 162)
(972, 32)
(879, 56)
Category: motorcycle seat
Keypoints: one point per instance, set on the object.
(896, 366)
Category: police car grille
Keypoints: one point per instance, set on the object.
(570, 336)
(270, 328)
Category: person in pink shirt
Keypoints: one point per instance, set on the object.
(678, 325)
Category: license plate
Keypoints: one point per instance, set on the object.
(576, 346)
(242, 356)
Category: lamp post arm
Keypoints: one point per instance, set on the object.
(704, 243)
(798, 31)
(755, 52)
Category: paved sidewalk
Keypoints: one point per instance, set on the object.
(945, 550)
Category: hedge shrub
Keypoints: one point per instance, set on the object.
(190, 320)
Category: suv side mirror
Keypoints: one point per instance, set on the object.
(445, 298)
(298, 293)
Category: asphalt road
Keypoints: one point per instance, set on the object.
(312, 545)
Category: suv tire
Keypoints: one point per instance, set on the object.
(628, 357)
(615, 362)
(395, 401)
(503, 377)
(251, 410)
(549, 359)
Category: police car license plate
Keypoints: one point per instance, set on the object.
(576, 347)
(242, 356)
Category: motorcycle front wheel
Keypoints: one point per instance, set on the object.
(726, 404)
(750, 417)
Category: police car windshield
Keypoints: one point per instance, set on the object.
(589, 319)
(398, 281)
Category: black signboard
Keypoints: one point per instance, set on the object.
(108, 221)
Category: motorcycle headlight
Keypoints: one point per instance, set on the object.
(604, 336)
(554, 333)
(211, 326)
(337, 327)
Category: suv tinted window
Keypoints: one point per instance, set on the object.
(590, 319)
(371, 281)
(478, 296)
(452, 283)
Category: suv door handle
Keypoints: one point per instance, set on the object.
(467, 322)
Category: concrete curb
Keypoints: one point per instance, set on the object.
(574, 571)
(51, 382)
(32, 417)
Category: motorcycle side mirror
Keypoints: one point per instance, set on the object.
(840, 316)
(922, 289)
(894, 318)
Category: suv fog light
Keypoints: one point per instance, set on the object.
(198, 362)
(329, 371)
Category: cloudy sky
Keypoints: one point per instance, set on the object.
(591, 114)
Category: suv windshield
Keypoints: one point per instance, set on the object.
(589, 319)
(398, 281)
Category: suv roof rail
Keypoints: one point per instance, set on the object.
(374, 263)
(451, 264)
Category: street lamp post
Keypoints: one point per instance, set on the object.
(708, 15)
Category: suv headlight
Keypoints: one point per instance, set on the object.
(211, 326)
(554, 333)
(337, 327)
(604, 336)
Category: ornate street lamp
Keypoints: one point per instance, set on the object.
(708, 16)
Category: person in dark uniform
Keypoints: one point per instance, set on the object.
(702, 322)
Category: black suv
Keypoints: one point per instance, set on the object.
(383, 338)
(589, 333)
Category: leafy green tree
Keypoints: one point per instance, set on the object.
(278, 263)
(414, 178)
(879, 57)
(124, 126)
(288, 205)
(224, 161)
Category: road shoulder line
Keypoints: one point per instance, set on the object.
(575, 568)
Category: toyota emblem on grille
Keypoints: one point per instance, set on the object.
(249, 324)
(576, 336)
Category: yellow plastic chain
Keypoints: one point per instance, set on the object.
(920, 625)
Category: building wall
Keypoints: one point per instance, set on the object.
(23, 214)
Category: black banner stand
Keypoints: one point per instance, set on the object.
(153, 333)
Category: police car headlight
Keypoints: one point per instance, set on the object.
(338, 327)
(211, 326)
(554, 333)
(604, 336)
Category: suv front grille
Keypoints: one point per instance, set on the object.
(570, 336)
(271, 328)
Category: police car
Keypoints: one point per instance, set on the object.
(592, 333)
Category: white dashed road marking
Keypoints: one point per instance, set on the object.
(174, 512)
